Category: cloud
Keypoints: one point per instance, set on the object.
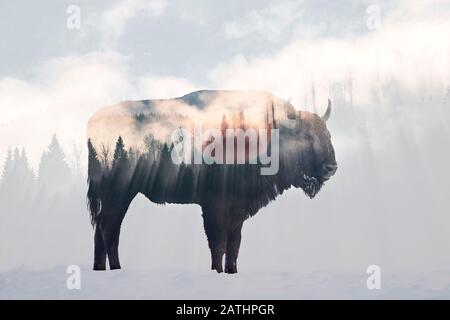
(407, 57)
(364, 210)
(163, 87)
(415, 55)
(193, 14)
(65, 92)
(113, 21)
(269, 22)
(399, 73)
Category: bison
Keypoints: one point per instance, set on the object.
(134, 147)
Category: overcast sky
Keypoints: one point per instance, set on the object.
(388, 202)
(53, 78)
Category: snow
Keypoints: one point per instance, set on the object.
(24, 283)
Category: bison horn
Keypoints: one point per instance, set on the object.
(326, 116)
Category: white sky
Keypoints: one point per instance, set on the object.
(140, 49)
(52, 79)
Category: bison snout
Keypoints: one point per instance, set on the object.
(329, 170)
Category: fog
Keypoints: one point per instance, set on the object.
(387, 204)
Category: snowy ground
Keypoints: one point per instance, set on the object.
(135, 284)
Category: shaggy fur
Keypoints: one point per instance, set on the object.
(227, 194)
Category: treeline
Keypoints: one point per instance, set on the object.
(54, 176)
(43, 214)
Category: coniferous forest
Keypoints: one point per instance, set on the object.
(40, 207)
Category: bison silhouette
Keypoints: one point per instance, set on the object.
(142, 147)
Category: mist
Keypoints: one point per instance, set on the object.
(387, 204)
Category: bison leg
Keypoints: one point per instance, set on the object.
(233, 244)
(109, 224)
(99, 250)
(111, 235)
(217, 241)
(218, 248)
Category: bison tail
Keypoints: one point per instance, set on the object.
(94, 202)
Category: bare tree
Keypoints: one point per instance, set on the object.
(76, 154)
(104, 155)
(153, 147)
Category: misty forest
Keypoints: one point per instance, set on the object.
(123, 75)
(44, 209)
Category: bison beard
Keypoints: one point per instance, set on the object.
(227, 194)
(311, 186)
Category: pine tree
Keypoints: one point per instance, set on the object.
(17, 177)
(94, 166)
(27, 172)
(15, 181)
(16, 157)
(120, 154)
(54, 172)
(55, 149)
(165, 153)
(7, 174)
(8, 166)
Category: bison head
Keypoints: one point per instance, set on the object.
(310, 154)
